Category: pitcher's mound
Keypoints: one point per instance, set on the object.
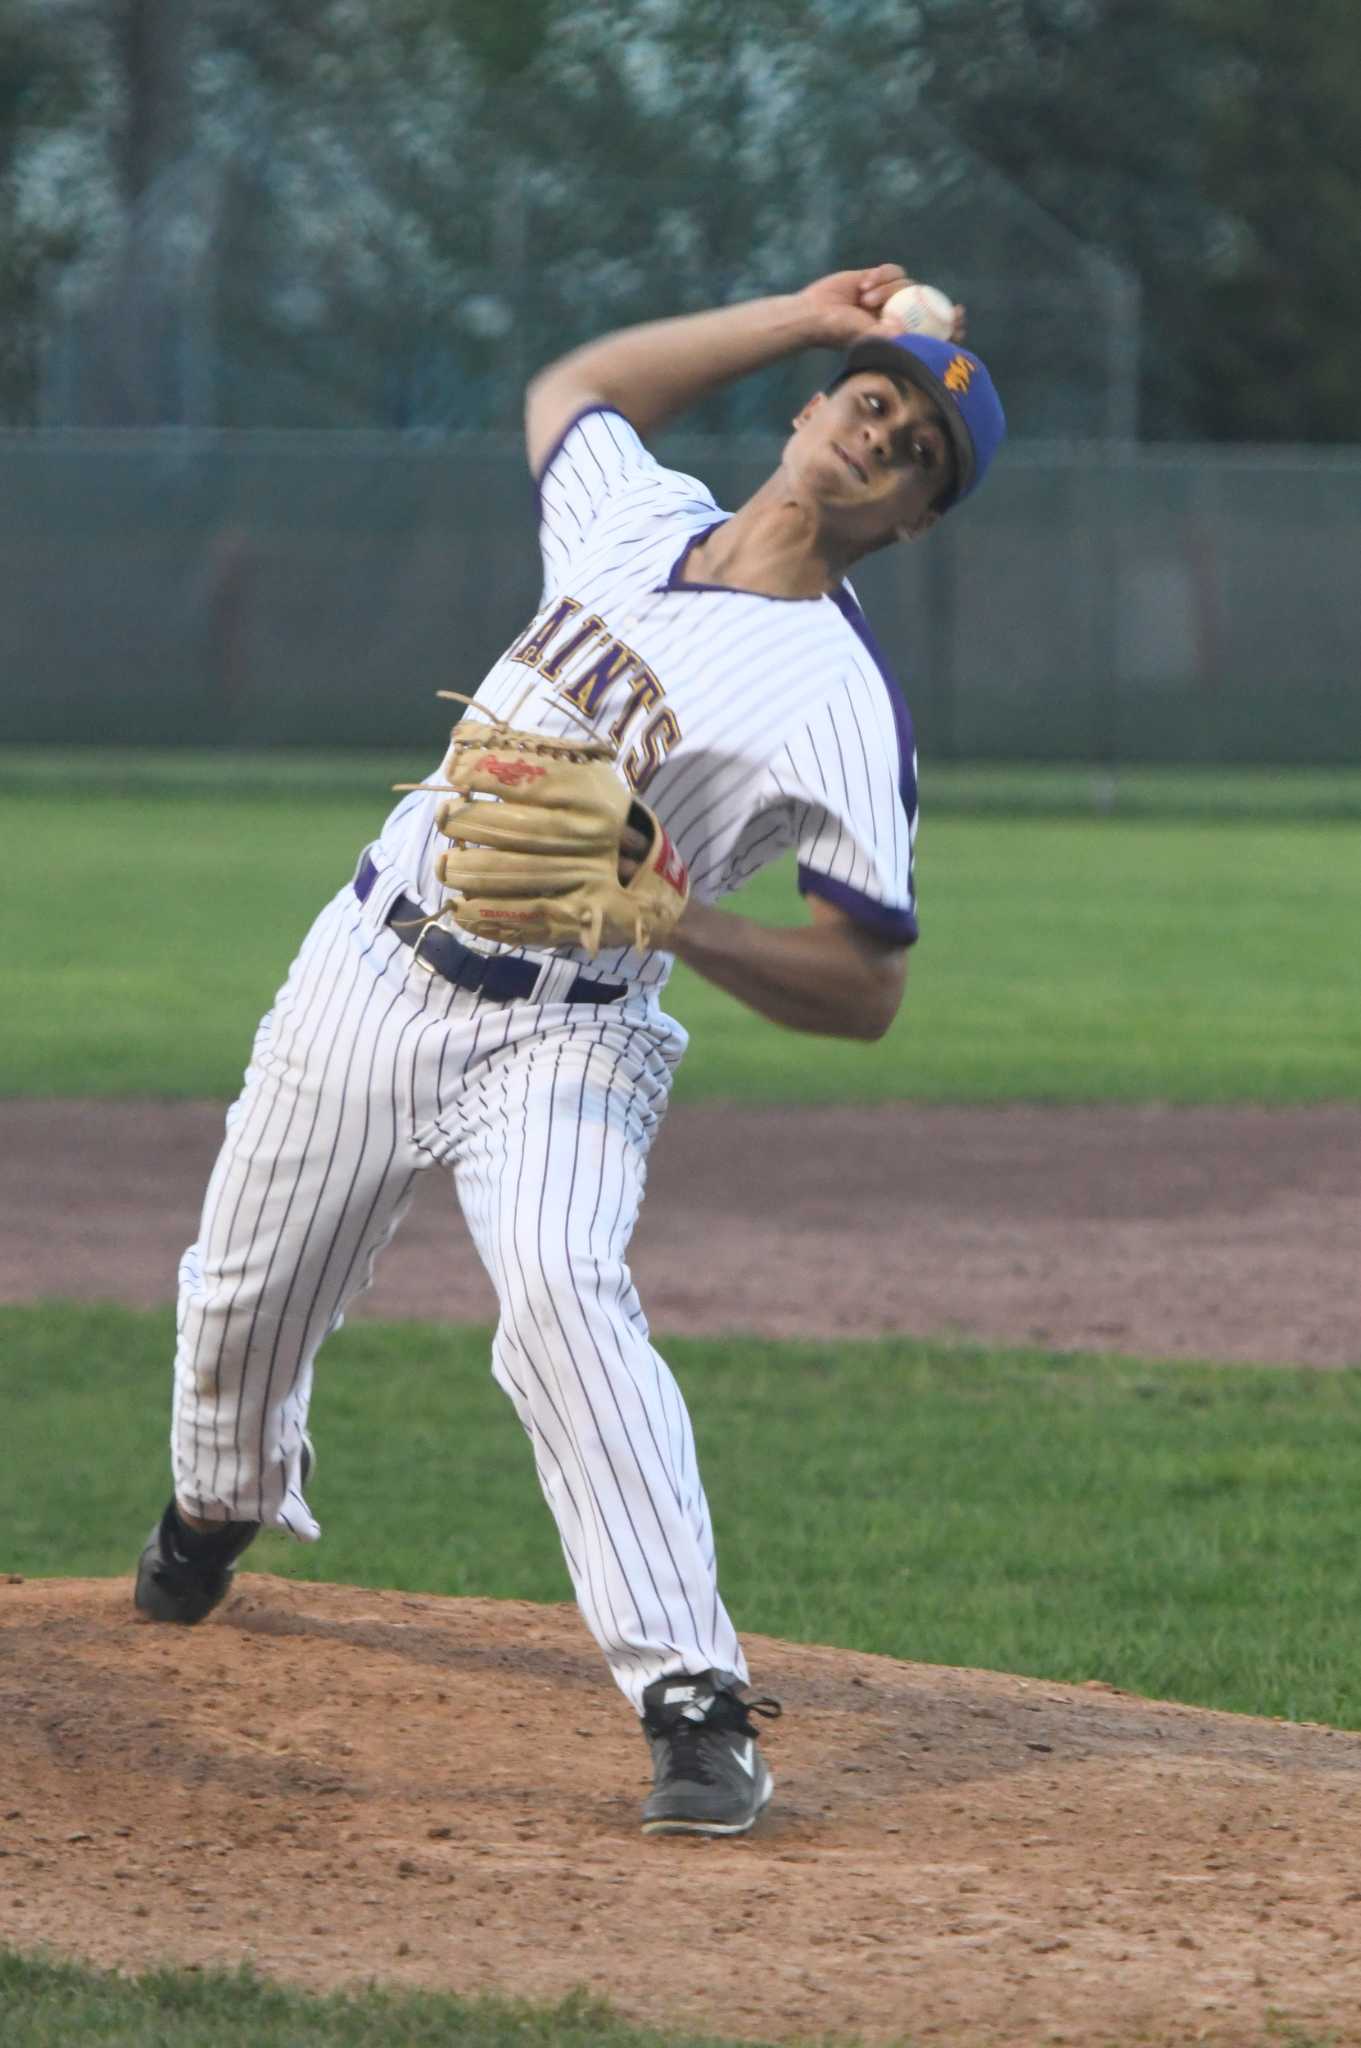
(338, 1785)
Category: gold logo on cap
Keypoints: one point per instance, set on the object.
(959, 374)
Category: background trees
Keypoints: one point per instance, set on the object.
(385, 214)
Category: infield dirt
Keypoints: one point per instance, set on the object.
(338, 1785)
(1208, 1233)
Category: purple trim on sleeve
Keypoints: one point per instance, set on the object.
(902, 717)
(557, 447)
(898, 925)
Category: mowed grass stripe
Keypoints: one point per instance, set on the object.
(1062, 959)
(1184, 1532)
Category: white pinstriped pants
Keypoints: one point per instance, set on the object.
(367, 1069)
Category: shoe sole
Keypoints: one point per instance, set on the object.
(678, 1826)
(150, 1600)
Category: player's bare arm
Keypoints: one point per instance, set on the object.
(652, 372)
(833, 977)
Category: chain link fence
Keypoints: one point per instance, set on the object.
(1094, 604)
(275, 495)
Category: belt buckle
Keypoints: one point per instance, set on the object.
(426, 966)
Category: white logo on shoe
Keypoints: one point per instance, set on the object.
(746, 1757)
(694, 1705)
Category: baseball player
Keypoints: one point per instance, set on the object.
(698, 693)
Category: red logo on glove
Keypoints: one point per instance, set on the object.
(512, 773)
(668, 866)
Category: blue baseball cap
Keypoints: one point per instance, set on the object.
(959, 384)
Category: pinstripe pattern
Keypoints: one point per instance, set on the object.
(367, 1071)
(792, 732)
(755, 726)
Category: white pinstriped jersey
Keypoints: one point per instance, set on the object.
(750, 724)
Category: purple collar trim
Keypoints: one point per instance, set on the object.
(676, 580)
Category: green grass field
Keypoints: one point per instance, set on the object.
(51, 2004)
(1184, 1534)
(45, 2003)
(1066, 956)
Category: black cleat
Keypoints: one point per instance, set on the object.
(709, 1777)
(183, 1574)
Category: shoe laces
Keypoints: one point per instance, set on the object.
(691, 1734)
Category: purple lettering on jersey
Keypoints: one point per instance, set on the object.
(661, 735)
(646, 693)
(589, 630)
(531, 651)
(589, 689)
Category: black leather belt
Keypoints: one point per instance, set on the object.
(503, 979)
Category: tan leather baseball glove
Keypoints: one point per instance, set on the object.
(540, 827)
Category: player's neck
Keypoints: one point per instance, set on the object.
(772, 545)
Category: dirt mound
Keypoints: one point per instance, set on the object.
(338, 1785)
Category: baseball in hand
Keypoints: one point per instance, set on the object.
(919, 309)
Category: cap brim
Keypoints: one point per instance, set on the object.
(874, 354)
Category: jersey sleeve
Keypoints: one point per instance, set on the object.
(849, 777)
(598, 461)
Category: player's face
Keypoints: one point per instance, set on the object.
(875, 455)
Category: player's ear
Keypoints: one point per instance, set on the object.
(801, 419)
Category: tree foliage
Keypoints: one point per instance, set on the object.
(45, 158)
(1275, 357)
(1215, 147)
(388, 212)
